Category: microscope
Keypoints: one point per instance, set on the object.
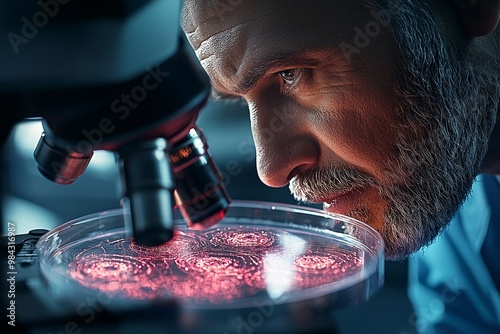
(114, 76)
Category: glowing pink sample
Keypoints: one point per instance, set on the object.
(216, 266)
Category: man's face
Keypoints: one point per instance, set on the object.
(350, 105)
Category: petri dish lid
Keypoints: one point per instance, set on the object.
(267, 251)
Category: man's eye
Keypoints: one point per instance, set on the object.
(288, 75)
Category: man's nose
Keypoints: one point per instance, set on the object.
(284, 145)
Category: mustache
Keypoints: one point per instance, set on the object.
(321, 182)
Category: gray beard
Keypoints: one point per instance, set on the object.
(451, 107)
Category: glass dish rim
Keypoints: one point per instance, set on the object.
(344, 283)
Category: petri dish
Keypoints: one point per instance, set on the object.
(282, 254)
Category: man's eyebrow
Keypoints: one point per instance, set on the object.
(282, 60)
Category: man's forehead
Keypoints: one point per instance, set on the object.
(217, 12)
(212, 16)
(201, 19)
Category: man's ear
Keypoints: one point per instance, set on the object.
(478, 17)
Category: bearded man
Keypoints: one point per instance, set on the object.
(391, 115)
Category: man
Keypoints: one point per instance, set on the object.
(385, 111)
